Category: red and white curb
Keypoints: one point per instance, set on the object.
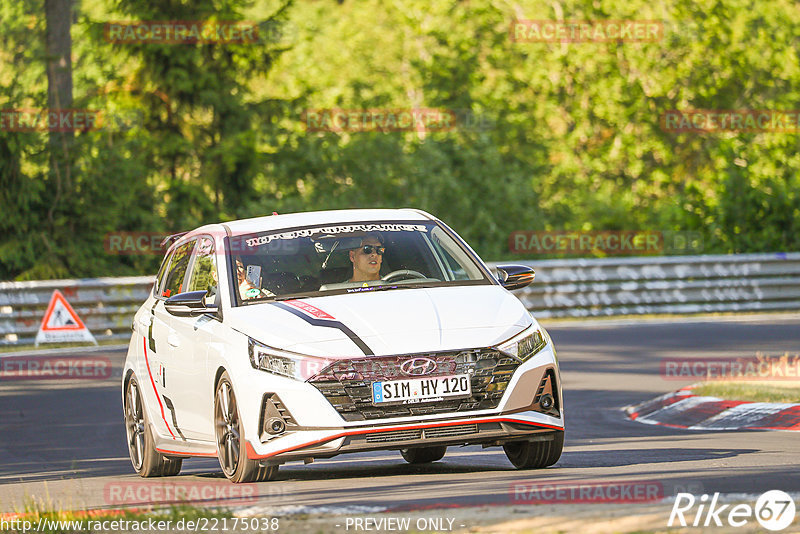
(684, 409)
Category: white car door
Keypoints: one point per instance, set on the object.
(165, 365)
(152, 325)
(190, 336)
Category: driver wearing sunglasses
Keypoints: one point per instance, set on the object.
(367, 259)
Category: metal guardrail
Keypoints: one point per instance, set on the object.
(663, 285)
(105, 305)
(563, 288)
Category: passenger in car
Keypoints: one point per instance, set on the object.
(246, 289)
(367, 259)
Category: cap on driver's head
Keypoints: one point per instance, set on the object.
(373, 235)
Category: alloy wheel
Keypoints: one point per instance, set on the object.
(134, 424)
(226, 419)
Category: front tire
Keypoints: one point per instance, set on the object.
(146, 460)
(535, 454)
(423, 455)
(231, 450)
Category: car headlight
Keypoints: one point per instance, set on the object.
(523, 346)
(282, 363)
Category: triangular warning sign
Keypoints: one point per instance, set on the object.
(61, 324)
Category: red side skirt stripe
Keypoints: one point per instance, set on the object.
(178, 453)
(158, 398)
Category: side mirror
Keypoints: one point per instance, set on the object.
(188, 304)
(515, 276)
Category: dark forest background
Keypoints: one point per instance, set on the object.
(561, 136)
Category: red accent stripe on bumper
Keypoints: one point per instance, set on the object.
(253, 455)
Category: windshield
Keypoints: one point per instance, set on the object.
(348, 258)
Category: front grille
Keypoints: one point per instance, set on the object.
(347, 384)
(395, 435)
(449, 431)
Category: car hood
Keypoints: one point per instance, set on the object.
(399, 321)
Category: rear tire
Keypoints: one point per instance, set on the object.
(535, 454)
(423, 455)
(172, 466)
(146, 460)
(231, 448)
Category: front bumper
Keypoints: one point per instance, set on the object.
(518, 415)
(492, 430)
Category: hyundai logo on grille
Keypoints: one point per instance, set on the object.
(418, 366)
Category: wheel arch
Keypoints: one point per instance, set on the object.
(217, 376)
(125, 381)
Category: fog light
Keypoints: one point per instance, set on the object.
(546, 402)
(276, 426)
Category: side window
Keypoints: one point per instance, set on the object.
(204, 271)
(160, 278)
(173, 283)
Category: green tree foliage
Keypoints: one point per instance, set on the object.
(559, 135)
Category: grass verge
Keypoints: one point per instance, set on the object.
(751, 391)
(173, 519)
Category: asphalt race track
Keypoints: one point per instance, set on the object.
(62, 442)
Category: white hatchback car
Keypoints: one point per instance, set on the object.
(304, 336)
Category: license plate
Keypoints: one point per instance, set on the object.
(421, 389)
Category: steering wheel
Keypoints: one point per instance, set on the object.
(408, 273)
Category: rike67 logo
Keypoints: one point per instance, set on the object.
(774, 510)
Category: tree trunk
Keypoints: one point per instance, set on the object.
(58, 15)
